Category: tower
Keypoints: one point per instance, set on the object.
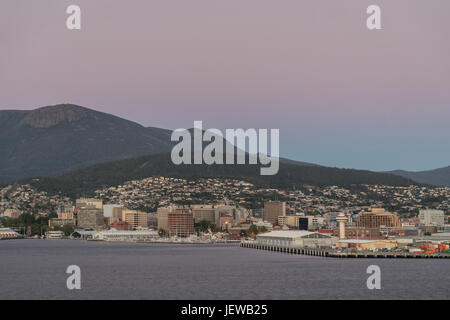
(341, 219)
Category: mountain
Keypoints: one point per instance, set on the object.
(84, 181)
(53, 139)
(298, 163)
(437, 177)
(79, 149)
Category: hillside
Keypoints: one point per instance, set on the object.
(54, 139)
(437, 177)
(83, 182)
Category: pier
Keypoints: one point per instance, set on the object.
(320, 252)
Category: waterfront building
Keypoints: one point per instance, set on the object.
(136, 219)
(121, 235)
(431, 217)
(59, 222)
(295, 238)
(54, 235)
(378, 217)
(90, 218)
(237, 231)
(265, 224)
(400, 231)
(427, 230)
(181, 223)
(83, 235)
(6, 233)
(273, 210)
(366, 244)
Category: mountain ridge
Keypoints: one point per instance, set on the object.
(53, 139)
(437, 177)
(58, 139)
(83, 182)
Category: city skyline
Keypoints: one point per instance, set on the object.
(341, 95)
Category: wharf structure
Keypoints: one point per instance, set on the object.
(316, 244)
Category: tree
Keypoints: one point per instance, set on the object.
(253, 230)
(67, 229)
(262, 229)
(203, 226)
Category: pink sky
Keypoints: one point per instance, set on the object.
(341, 95)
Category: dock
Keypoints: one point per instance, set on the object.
(330, 253)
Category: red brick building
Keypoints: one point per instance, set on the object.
(120, 225)
(181, 223)
(352, 232)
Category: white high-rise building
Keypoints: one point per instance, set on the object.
(431, 217)
(112, 211)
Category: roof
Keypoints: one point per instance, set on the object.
(85, 233)
(128, 232)
(363, 241)
(286, 234)
(441, 234)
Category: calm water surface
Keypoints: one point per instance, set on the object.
(35, 269)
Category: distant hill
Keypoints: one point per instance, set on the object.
(437, 177)
(79, 149)
(83, 182)
(53, 139)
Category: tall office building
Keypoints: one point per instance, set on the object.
(290, 221)
(431, 217)
(181, 223)
(136, 219)
(204, 213)
(113, 212)
(376, 218)
(163, 217)
(273, 210)
(90, 218)
(65, 212)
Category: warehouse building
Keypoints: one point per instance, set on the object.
(296, 238)
(366, 244)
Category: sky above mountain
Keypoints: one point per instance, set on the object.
(340, 94)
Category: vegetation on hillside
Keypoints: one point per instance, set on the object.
(83, 182)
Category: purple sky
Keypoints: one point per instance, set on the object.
(341, 95)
